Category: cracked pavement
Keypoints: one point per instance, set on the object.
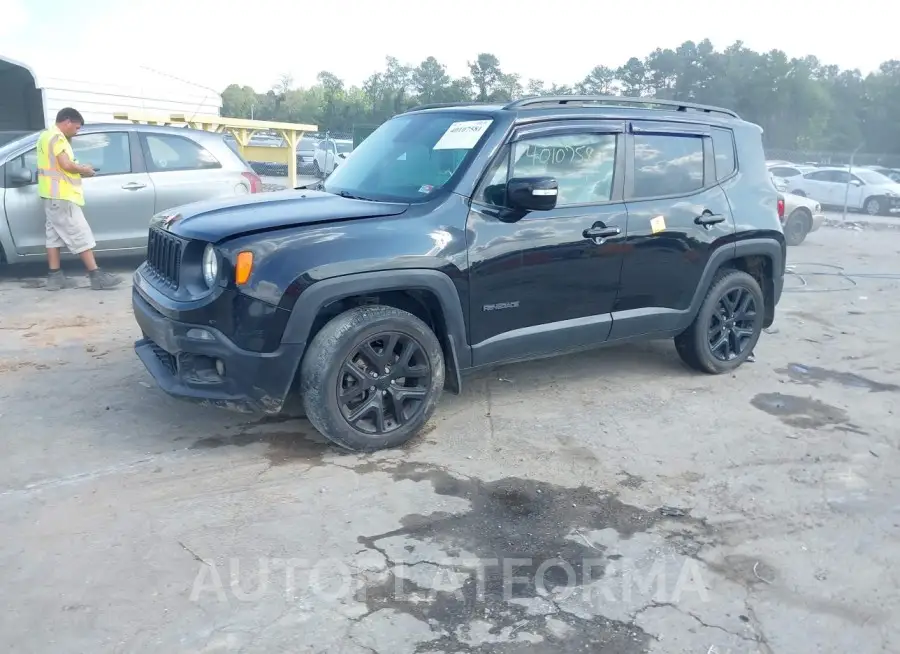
(607, 502)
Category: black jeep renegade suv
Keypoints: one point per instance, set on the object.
(458, 237)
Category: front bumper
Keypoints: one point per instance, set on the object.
(818, 220)
(185, 366)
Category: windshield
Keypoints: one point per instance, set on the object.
(409, 157)
(871, 177)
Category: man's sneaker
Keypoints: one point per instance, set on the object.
(101, 280)
(56, 280)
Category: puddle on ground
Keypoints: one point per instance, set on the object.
(302, 443)
(509, 519)
(814, 376)
(804, 412)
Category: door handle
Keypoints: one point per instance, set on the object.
(601, 231)
(707, 219)
(134, 186)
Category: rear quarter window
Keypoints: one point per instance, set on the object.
(233, 146)
(723, 147)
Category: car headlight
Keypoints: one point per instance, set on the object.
(210, 266)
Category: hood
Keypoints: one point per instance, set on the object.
(216, 220)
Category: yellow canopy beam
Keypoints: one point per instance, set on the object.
(241, 128)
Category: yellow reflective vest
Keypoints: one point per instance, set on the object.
(54, 183)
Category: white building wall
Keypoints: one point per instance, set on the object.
(100, 95)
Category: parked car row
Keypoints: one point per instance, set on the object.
(141, 171)
(315, 156)
(859, 188)
(799, 216)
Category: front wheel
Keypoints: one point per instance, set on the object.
(727, 327)
(872, 206)
(372, 377)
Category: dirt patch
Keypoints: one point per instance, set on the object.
(814, 376)
(15, 366)
(533, 528)
(299, 443)
(804, 412)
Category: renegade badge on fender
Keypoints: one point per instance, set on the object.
(459, 237)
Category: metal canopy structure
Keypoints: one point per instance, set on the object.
(242, 130)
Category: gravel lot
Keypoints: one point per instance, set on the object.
(606, 502)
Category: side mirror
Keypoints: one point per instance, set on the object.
(21, 176)
(855, 182)
(532, 193)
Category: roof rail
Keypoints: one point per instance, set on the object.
(614, 100)
(441, 105)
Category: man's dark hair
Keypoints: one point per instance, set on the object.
(70, 114)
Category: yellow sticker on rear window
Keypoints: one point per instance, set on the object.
(657, 224)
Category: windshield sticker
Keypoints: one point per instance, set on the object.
(463, 135)
(427, 188)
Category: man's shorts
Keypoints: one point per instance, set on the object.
(66, 226)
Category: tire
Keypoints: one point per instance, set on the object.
(872, 206)
(322, 373)
(797, 226)
(693, 344)
(316, 170)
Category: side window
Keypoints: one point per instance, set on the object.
(582, 164)
(780, 171)
(108, 152)
(667, 165)
(493, 187)
(27, 161)
(167, 152)
(723, 146)
(820, 176)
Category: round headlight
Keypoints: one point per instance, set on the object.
(210, 266)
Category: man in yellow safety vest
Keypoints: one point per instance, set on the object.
(59, 186)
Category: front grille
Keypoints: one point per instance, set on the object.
(164, 255)
(168, 360)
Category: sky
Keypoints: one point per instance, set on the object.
(203, 42)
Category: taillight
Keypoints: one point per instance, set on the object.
(256, 185)
(781, 209)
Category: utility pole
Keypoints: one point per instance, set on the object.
(847, 188)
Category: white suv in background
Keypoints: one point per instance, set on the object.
(330, 153)
(863, 189)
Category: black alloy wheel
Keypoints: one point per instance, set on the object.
(383, 383)
(372, 377)
(728, 325)
(731, 325)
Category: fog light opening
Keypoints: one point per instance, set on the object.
(220, 367)
(200, 334)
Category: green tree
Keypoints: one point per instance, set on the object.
(800, 102)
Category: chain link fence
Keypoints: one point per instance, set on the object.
(306, 154)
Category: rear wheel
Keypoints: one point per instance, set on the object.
(797, 226)
(316, 170)
(727, 327)
(372, 377)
